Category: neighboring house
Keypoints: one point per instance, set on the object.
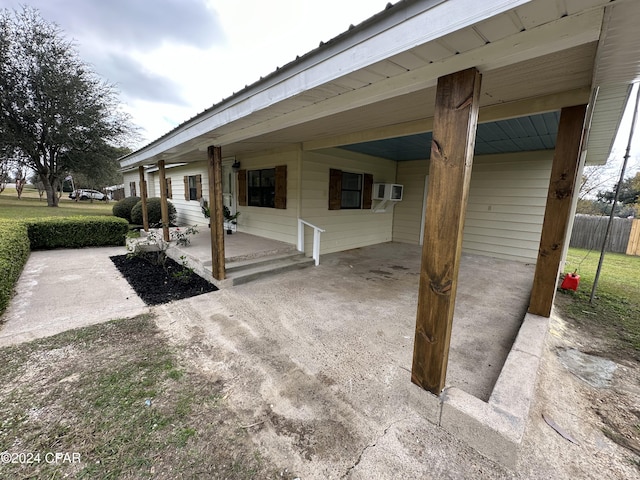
(314, 138)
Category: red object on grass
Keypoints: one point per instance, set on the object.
(570, 282)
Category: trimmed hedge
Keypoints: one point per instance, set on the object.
(123, 208)
(14, 251)
(154, 211)
(76, 232)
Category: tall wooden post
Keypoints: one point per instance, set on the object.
(216, 211)
(164, 209)
(143, 199)
(566, 160)
(454, 132)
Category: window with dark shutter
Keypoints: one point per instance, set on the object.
(193, 187)
(281, 187)
(263, 188)
(335, 189)
(349, 190)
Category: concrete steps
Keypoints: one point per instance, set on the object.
(243, 271)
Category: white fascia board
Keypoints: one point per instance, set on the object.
(413, 25)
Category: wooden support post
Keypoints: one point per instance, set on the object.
(164, 209)
(143, 199)
(566, 160)
(216, 210)
(454, 132)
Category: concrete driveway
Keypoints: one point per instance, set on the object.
(64, 289)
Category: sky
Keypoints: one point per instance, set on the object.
(172, 59)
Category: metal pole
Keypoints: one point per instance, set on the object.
(615, 198)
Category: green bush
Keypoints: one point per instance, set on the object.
(153, 209)
(123, 208)
(14, 251)
(76, 232)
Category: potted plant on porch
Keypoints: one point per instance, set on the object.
(204, 205)
(230, 219)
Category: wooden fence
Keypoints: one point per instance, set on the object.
(588, 232)
(633, 247)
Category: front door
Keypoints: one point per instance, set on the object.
(229, 188)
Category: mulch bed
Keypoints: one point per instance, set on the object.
(155, 284)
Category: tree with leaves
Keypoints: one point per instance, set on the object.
(628, 197)
(56, 115)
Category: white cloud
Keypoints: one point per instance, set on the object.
(171, 59)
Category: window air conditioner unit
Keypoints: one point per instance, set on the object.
(387, 191)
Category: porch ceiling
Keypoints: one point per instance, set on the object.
(535, 57)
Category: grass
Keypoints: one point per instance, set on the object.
(615, 312)
(31, 206)
(117, 396)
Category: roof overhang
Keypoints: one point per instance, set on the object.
(379, 77)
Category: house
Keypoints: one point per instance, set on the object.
(482, 114)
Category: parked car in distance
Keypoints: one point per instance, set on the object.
(85, 194)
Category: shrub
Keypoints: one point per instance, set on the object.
(76, 232)
(14, 251)
(153, 209)
(123, 208)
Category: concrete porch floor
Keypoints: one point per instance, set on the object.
(237, 246)
(491, 301)
(349, 324)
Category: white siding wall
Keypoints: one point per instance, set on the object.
(273, 223)
(408, 213)
(506, 206)
(507, 198)
(345, 229)
(127, 178)
(189, 211)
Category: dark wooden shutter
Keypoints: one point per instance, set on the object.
(242, 188)
(367, 190)
(132, 188)
(335, 189)
(169, 192)
(281, 187)
(186, 187)
(198, 187)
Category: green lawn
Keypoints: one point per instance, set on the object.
(30, 206)
(615, 312)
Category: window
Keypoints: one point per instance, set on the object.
(168, 188)
(132, 188)
(262, 187)
(349, 190)
(192, 187)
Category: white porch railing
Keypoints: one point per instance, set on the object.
(316, 239)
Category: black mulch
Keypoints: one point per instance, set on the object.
(154, 284)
